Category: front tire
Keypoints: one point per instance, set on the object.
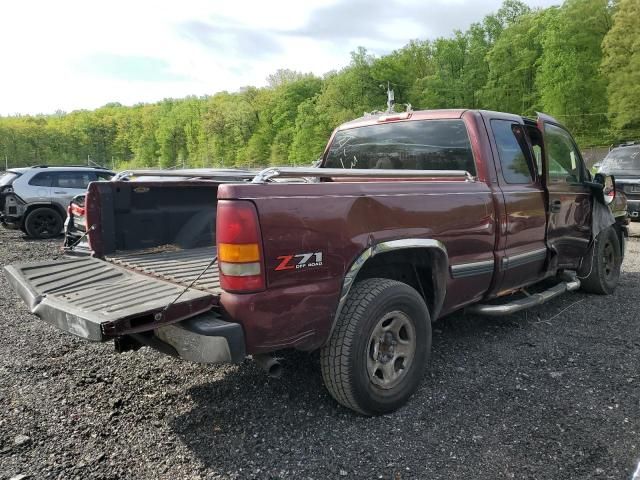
(43, 222)
(378, 352)
(606, 258)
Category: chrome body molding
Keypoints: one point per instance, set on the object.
(463, 270)
(395, 245)
(520, 259)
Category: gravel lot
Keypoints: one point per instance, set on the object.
(553, 393)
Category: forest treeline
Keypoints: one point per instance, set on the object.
(579, 61)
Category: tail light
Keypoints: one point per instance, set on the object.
(239, 247)
(76, 210)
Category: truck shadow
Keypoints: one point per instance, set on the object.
(247, 417)
(485, 373)
(27, 238)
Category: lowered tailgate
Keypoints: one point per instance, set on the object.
(97, 300)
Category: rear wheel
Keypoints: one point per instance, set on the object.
(43, 222)
(377, 354)
(606, 258)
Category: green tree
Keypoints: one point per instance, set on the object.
(621, 67)
(569, 79)
(513, 64)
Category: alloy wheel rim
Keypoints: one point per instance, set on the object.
(44, 223)
(391, 349)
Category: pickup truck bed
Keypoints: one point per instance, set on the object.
(177, 266)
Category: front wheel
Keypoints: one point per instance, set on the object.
(378, 352)
(606, 260)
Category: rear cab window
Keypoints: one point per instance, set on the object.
(408, 145)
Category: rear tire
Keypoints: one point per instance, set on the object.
(43, 222)
(606, 257)
(378, 352)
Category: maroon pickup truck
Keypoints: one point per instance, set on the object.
(408, 218)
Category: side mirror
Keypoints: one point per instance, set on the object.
(603, 187)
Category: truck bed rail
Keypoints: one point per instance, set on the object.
(297, 172)
(267, 174)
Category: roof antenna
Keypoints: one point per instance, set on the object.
(390, 99)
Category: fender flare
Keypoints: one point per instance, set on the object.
(441, 269)
(52, 205)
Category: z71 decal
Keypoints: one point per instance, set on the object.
(299, 261)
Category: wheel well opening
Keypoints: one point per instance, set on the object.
(418, 268)
(51, 206)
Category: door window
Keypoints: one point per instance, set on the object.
(104, 176)
(44, 179)
(565, 162)
(513, 150)
(77, 180)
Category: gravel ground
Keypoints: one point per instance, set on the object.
(553, 393)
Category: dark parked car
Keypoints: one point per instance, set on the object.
(623, 163)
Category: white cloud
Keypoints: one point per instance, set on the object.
(52, 51)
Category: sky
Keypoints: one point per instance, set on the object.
(65, 55)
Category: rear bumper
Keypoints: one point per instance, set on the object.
(203, 339)
(12, 223)
(633, 207)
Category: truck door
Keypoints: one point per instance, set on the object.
(522, 251)
(569, 199)
(67, 185)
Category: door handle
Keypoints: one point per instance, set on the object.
(556, 206)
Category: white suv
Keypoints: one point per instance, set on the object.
(35, 199)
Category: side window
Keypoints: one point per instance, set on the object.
(565, 162)
(78, 180)
(41, 180)
(104, 176)
(515, 156)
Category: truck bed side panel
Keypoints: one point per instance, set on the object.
(340, 221)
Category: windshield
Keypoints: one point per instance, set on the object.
(412, 145)
(7, 178)
(622, 161)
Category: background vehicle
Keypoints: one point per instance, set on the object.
(411, 216)
(623, 162)
(35, 199)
